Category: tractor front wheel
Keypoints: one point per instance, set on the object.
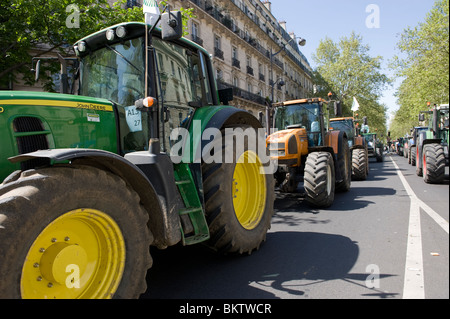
(239, 198)
(72, 232)
(319, 179)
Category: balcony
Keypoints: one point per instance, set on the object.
(236, 63)
(250, 70)
(262, 77)
(218, 53)
(240, 93)
(197, 39)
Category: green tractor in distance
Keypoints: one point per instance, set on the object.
(432, 145)
(375, 146)
(145, 155)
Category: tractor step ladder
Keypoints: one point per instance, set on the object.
(194, 208)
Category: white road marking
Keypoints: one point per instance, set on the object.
(414, 287)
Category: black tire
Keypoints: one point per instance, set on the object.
(345, 165)
(419, 164)
(379, 154)
(31, 201)
(319, 179)
(228, 234)
(359, 165)
(413, 155)
(433, 163)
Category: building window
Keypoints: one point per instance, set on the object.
(217, 43)
(234, 53)
(235, 82)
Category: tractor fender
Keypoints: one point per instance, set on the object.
(163, 223)
(219, 118)
(360, 142)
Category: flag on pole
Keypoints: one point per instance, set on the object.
(355, 105)
(151, 11)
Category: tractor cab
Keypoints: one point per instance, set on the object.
(306, 117)
(346, 124)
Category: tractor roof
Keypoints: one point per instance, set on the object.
(301, 101)
(341, 119)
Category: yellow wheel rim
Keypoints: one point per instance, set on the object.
(249, 190)
(81, 254)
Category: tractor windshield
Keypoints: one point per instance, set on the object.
(304, 115)
(297, 115)
(115, 72)
(345, 125)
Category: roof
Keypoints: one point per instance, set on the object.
(341, 119)
(300, 101)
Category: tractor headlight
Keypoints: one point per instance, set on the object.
(121, 32)
(110, 34)
(82, 46)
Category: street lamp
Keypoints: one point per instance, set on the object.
(302, 43)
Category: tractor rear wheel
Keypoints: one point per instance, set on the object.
(345, 165)
(359, 164)
(433, 163)
(239, 199)
(72, 232)
(319, 179)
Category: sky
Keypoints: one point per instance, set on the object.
(317, 19)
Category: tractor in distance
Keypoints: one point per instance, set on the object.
(375, 146)
(412, 143)
(432, 145)
(306, 150)
(357, 144)
(91, 181)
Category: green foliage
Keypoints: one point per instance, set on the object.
(347, 70)
(29, 24)
(424, 67)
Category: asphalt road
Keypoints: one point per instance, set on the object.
(385, 238)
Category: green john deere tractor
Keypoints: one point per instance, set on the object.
(375, 146)
(432, 145)
(144, 155)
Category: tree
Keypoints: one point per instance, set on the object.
(34, 28)
(424, 67)
(346, 69)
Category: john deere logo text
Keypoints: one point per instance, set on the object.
(90, 106)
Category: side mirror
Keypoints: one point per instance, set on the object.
(338, 109)
(226, 95)
(365, 120)
(421, 117)
(38, 67)
(171, 25)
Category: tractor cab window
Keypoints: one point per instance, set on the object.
(346, 126)
(182, 85)
(116, 73)
(304, 115)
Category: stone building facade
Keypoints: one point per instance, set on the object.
(242, 36)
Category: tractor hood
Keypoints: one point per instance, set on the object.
(31, 121)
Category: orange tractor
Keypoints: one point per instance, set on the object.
(306, 150)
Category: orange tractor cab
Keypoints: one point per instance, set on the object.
(307, 151)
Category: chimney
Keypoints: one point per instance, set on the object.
(283, 25)
(268, 5)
